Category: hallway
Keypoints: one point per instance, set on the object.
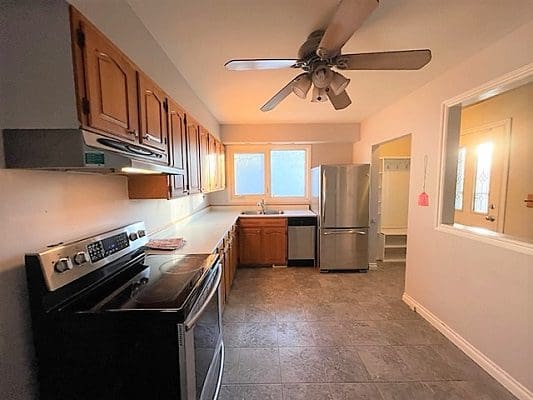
(296, 334)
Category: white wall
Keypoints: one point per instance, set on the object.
(481, 291)
(38, 208)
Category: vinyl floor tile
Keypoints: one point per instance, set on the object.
(294, 333)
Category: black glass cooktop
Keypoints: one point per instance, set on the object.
(166, 282)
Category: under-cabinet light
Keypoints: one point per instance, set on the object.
(131, 170)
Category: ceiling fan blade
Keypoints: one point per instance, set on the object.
(259, 63)
(388, 60)
(278, 97)
(340, 101)
(349, 17)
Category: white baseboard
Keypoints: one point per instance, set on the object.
(372, 266)
(515, 387)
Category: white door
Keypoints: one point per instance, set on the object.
(482, 177)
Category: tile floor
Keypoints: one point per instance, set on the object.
(294, 334)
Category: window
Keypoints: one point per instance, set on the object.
(272, 172)
(247, 167)
(483, 175)
(486, 174)
(287, 173)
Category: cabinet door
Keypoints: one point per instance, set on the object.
(223, 263)
(213, 164)
(250, 246)
(109, 101)
(219, 159)
(274, 246)
(178, 140)
(227, 269)
(204, 160)
(234, 254)
(153, 114)
(222, 166)
(193, 156)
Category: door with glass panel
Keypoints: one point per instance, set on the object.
(482, 177)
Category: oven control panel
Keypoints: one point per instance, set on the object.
(105, 247)
(62, 264)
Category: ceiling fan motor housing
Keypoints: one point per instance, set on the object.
(307, 50)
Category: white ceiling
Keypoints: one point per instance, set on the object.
(200, 36)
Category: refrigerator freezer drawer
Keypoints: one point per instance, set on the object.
(344, 249)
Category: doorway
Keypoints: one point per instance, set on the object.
(482, 169)
(389, 200)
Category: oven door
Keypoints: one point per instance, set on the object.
(201, 350)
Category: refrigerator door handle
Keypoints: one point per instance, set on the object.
(345, 231)
(322, 197)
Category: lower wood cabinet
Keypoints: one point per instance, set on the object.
(227, 250)
(262, 241)
(250, 245)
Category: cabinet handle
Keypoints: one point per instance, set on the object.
(132, 132)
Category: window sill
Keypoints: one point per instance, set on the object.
(489, 237)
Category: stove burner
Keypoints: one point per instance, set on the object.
(171, 267)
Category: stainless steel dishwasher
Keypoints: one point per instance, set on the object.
(302, 241)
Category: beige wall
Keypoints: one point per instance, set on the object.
(400, 147)
(516, 104)
(38, 208)
(331, 153)
(308, 133)
(330, 143)
(481, 291)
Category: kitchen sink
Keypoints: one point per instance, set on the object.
(266, 212)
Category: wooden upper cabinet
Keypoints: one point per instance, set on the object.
(153, 114)
(221, 163)
(193, 155)
(178, 139)
(204, 160)
(106, 82)
(212, 145)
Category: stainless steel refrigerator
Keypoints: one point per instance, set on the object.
(340, 199)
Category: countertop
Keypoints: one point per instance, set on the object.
(204, 230)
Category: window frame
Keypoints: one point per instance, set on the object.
(447, 177)
(266, 149)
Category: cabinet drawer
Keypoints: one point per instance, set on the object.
(263, 222)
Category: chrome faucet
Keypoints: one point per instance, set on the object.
(262, 205)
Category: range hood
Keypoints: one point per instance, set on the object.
(78, 150)
(40, 121)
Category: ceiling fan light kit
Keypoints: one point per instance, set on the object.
(322, 51)
(302, 86)
(320, 95)
(339, 83)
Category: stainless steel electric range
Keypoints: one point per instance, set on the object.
(113, 322)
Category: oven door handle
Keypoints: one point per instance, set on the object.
(189, 322)
(221, 371)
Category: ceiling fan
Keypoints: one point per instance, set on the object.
(321, 52)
